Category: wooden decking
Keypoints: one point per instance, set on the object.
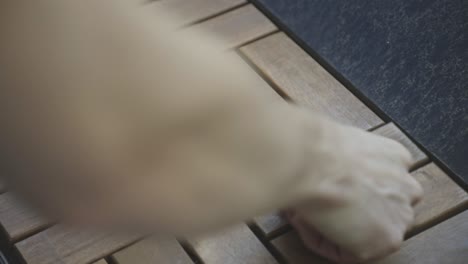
(440, 234)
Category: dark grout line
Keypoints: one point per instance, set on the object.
(372, 129)
(271, 249)
(269, 81)
(196, 259)
(3, 259)
(8, 248)
(439, 220)
(35, 232)
(280, 232)
(111, 260)
(11, 253)
(416, 166)
(322, 62)
(220, 13)
(257, 38)
(420, 165)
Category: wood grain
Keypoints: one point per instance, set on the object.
(301, 78)
(192, 11)
(18, 220)
(233, 246)
(444, 243)
(272, 224)
(151, 251)
(393, 132)
(442, 197)
(238, 26)
(61, 245)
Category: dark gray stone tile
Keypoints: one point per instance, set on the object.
(408, 57)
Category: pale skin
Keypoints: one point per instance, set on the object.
(112, 116)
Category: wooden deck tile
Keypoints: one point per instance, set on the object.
(191, 11)
(264, 87)
(59, 245)
(17, 220)
(233, 246)
(152, 251)
(442, 197)
(293, 250)
(298, 76)
(21, 222)
(393, 132)
(239, 26)
(273, 223)
(270, 225)
(444, 243)
(292, 70)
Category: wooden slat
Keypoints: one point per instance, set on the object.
(270, 225)
(393, 132)
(233, 246)
(191, 11)
(444, 243)
(442, 197)
(300, 77)
(18, 220)
(263, 86)
(293, 251)
(152, 251)
(238, 26)
(273, 223)
(59, 245)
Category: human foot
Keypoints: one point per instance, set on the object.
(317, 243)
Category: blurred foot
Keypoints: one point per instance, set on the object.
(315, 242)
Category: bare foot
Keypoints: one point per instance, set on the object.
(314, 241)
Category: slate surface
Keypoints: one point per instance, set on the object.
(408, 57)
